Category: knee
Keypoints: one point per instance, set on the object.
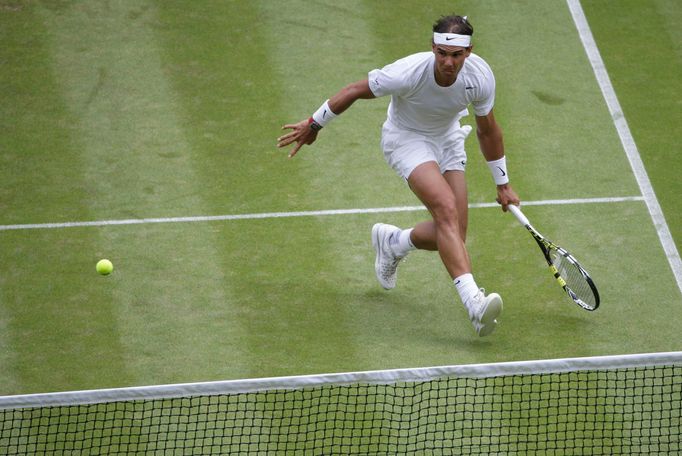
(444, 211)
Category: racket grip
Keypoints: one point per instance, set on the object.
(518, 214)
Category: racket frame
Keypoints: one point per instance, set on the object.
(546, 246)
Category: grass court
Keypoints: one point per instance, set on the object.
(137, 110)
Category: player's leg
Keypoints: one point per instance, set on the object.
(393, 244)
(446, 199)
(403, 150)
(444, 230)
(438, 179)
(423, 235)
(457, 182)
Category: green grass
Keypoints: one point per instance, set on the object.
(646, 79)
(117, 110)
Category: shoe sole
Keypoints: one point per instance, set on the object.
(490, 314)
(375, 244)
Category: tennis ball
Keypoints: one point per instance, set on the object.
(104, 267)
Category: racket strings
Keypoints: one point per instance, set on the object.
(574, 278)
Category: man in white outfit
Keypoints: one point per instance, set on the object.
(423, 142)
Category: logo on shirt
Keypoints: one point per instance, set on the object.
(469, 87)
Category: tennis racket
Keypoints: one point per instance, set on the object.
(571, 276)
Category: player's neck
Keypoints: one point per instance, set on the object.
(445, 80)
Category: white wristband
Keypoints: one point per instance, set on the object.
(324, 114)
(498, 168)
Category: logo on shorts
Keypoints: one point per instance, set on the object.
(464, 162)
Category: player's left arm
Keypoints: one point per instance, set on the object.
(492, 146)
(305, 131)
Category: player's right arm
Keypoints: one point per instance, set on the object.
(305, 131)
(349, 94)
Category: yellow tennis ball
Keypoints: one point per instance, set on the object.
(104, 267)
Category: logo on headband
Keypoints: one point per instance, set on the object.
(452, 39)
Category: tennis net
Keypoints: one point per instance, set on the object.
(628, 404)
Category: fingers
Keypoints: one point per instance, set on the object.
(506, 197)
(513, 199)
(287, 139)
(504, 205)
(295, 149)
(292, 136)
(300, 135)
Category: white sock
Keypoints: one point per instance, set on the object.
(401, 243)
(466, 286)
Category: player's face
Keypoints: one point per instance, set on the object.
(449, 60)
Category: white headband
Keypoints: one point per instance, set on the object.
(452, 39)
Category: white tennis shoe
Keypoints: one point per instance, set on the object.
(386, 262)
(483, 311)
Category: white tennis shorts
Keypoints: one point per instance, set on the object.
(404, 150)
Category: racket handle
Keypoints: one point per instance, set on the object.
(518, 214)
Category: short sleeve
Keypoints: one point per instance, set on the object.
(485, 96)
(389, 80)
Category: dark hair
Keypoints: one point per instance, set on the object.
(453, 24)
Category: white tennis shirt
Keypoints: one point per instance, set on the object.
(419, 104)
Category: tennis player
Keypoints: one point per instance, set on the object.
(423, 141)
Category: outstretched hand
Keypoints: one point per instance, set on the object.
(301, 134)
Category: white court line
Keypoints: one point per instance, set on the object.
(626, 139)
(267, 215)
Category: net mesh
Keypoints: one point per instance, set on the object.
(599, 412)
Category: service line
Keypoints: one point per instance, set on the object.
(268, 215)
